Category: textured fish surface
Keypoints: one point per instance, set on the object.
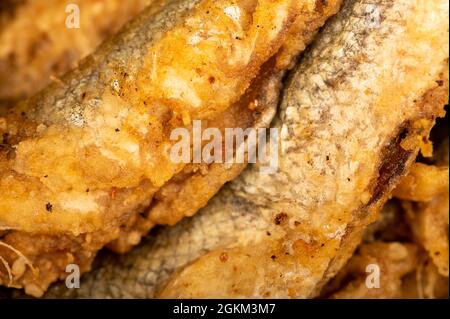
(354, 114)
(87, 162)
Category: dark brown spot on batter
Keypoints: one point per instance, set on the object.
(49, 207)
(279, 218)
(223, 257)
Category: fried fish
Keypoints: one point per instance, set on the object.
(86, 162)
(354, 115)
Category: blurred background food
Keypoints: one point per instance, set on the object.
(35, 49)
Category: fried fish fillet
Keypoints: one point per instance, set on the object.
(354, 114)
(36, 44)
(82, 160)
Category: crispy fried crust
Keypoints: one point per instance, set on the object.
(423, 183)
(354, 115)
(429, 222)
(394, 261)
(393, 258)
(87, 155)
(370, 133)
(425, 195)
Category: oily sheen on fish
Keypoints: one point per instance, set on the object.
(354, 115)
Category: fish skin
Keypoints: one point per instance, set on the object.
(68, 161)
(335, 104)
(335, 107)
(72, 108)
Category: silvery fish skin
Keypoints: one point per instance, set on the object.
(353, 117)
(86, 162)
